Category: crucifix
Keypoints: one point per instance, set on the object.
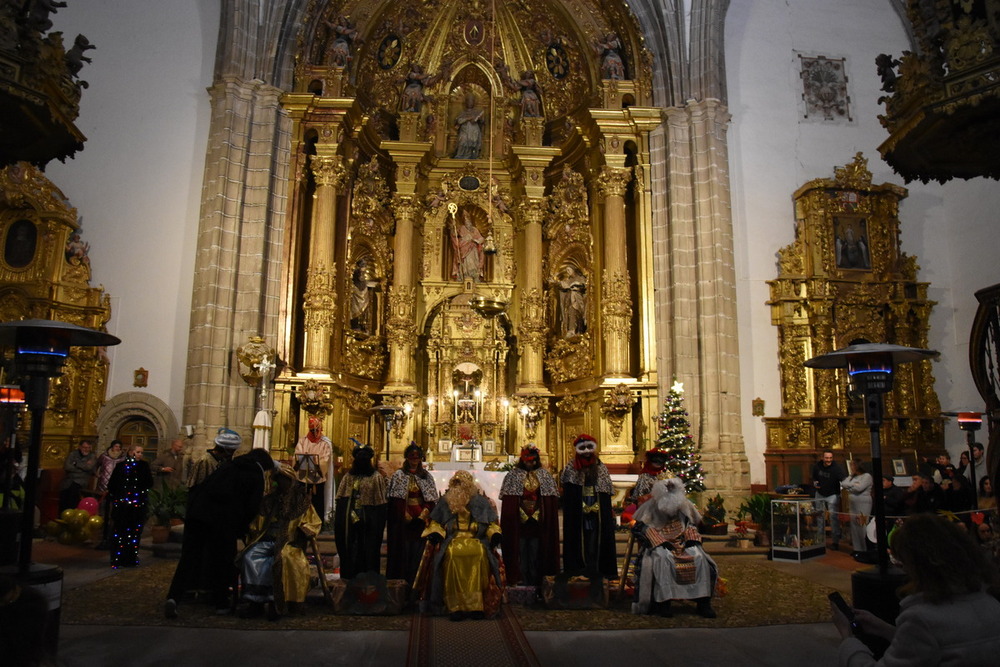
(265, 367)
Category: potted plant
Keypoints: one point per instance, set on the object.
(758, 509)
(713, 520)
(742, 534)
(166, 505)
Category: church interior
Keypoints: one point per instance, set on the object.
(478, 225)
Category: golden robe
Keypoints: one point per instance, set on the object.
(291, 568)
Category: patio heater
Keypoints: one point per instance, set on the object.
(870, 368)
(970, 422)
(40, 350)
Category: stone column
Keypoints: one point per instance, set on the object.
(616, 302)
(237, 278)
(702, 351)
(320, 299)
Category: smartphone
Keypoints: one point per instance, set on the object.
(838, 599)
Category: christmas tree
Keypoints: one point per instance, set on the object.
(674, 438)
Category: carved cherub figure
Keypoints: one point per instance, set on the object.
(75, 57)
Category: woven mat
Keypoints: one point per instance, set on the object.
(437, 642)
(758, 595)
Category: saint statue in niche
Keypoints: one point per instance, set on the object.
(572, 302)
(363, 286)
(467, 242)
(469, 124)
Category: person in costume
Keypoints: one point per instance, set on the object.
(466, 579)
(219, 513)
(316, 471)
(128, 487)
(588, 522)
(672, 564)
(226, 443)
(412, 495)
(274, 565)
(360, 515)
(529, 519)
(656, 461)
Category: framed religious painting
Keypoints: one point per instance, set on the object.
(444, 446)
(489, 447)
(898, 467)
(852, 248)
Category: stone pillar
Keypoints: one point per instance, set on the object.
(702, 351)
(616, 302)
(237, 279)
(320, 299)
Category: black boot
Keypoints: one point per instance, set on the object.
(705, 608)
(251, 610)
(661, 609)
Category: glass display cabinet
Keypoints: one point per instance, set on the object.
(797, 529)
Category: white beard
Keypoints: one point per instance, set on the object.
(668, 504)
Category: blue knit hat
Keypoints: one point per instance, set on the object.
(228, 439)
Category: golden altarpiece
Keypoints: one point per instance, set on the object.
(845, 280)
(45, 274)
(470, 253)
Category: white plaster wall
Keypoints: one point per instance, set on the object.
(137, 183)
(774, 151)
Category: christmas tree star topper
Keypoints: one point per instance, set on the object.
(678, 387)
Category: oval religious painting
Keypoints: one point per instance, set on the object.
(19, 247)
(556, 60)
(469, 183)
(389, 51)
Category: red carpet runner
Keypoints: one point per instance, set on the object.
(437, 642)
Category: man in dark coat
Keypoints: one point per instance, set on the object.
(529, 520)
(360, 516)
(826, 477)
(219, 513)
(412, 495)
(588, 523)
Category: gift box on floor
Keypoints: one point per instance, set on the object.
(368, 594)
(522, 595)
(563, 592)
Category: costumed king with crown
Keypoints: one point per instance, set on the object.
(529, 520)
(412, 495)
(360, 515)
(588, 522)
(465, 579)
(672, 564)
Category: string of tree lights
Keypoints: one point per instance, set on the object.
(674, 437)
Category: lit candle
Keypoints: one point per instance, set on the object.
(455, 402)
